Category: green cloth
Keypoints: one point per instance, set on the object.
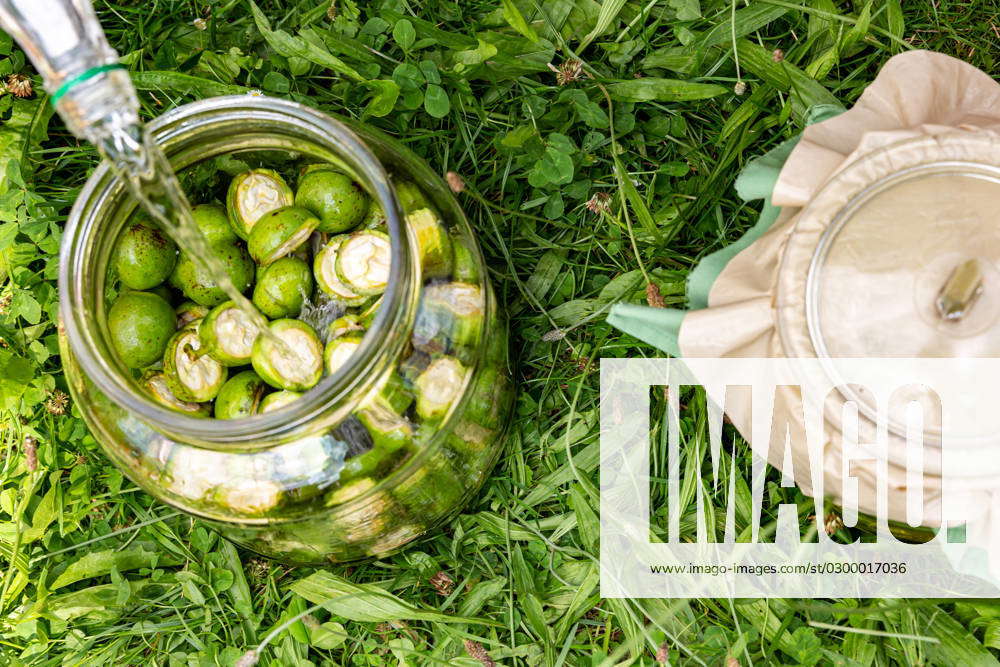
(657, 326)
(660, 327)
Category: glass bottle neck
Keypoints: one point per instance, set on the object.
(64, 41)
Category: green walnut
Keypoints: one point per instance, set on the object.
(339, 351)
(346, 324)
(375, 218)
(191, 374)
(388, 429)
(297, 363)
(358, 471)
(368, 311)
(316, 166)
(433, 241)
(190, 312)
(280, 232)
(144, 257)
(325, 270)
(140, 324)
(196, 285)
(213, 223)
(395, 393)
(252, 194)
(338, 202)
(282, 288)
(240, 396)
(449, 319)
(363, 261)
(411, 197)
(228, 334)
(438, 387)
(466, 261)
(156, 385)
(278, 400)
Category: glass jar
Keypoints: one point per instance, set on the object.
(294, 484)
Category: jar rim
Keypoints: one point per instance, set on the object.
(82, 329)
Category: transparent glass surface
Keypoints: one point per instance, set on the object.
(358, 466)
(893, 251)
(869, 258)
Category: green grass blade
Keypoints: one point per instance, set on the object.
(609, 12)
(367, 602)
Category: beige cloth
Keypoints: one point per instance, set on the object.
(917, 94)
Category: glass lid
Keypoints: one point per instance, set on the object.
(909, 268)
(898, 255)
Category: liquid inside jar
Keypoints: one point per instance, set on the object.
(394, 408)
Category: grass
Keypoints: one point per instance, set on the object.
(94, 572)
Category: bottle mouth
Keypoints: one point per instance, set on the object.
(188, 135)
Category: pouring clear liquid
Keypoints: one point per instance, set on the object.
(95, 98)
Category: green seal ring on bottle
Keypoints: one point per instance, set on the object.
(85, 75)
